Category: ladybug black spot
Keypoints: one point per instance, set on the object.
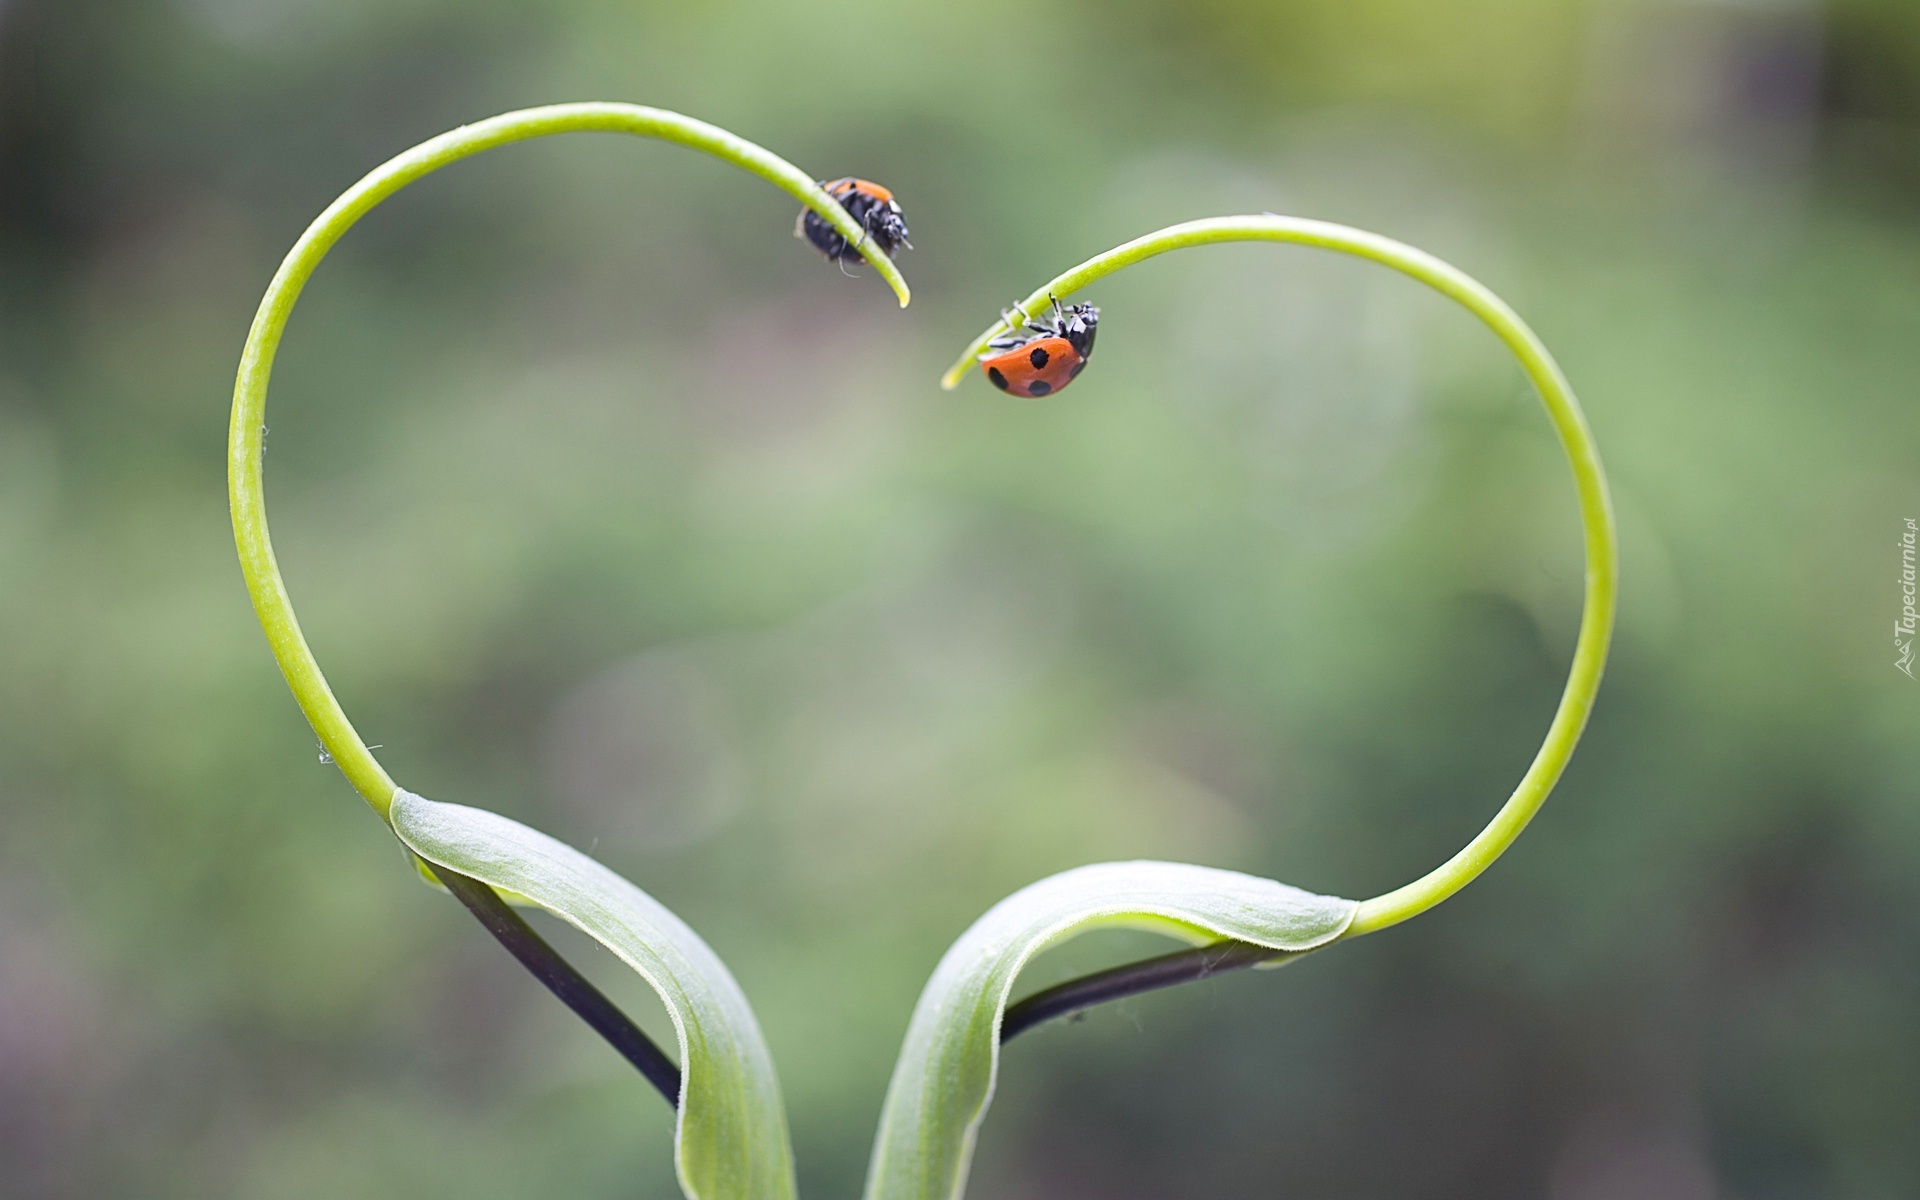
(1039, 387)
(1038, 358)
(999, 380)
(1077, 368)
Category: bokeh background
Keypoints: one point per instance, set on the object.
(612, 508)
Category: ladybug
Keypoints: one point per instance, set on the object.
(1048, 360)
(871, 206)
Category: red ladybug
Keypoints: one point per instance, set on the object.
(1048, 360)
(871, 206)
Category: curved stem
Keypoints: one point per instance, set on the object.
(1590, 485)
(246, 432)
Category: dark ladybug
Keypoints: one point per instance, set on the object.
(871, 206)
(1047, 359)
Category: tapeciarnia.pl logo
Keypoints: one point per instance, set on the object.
(1903, 627)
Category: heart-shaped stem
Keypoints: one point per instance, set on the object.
(1596, 517)
(246, 448)
(246, 433)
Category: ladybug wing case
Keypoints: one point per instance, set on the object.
(1038, 367)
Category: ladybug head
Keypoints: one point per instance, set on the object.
(888, 225)
(1077, 323)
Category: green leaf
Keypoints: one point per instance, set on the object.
(731, 1141)
(944, 1079)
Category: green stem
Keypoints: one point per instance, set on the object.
(1590, 485)
(246, 433)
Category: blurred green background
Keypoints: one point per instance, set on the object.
(610, 507)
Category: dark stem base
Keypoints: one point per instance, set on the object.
(592, 1006)
(1131, 979)
(560, 977)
